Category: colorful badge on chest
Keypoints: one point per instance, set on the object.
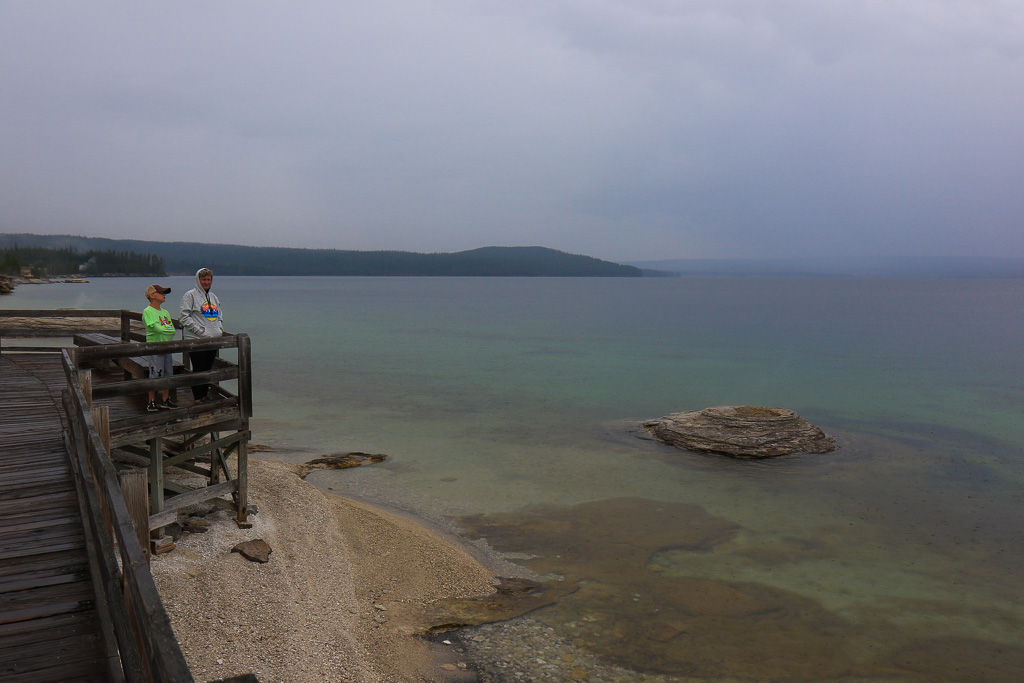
(210, 311)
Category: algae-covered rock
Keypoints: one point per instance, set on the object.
(743, 431)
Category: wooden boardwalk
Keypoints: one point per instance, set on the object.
(49, 626)
(77, 600)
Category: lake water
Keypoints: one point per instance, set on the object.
(508, 408)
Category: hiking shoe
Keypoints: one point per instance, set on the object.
(151, 407)
(167, 404)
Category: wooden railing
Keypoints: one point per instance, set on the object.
(65, 323)
(240, 371)
(68, 323)
(126, 594)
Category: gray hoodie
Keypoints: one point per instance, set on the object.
(201, 314)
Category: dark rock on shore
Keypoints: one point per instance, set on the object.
(254, 551)
(338, 461)
(742, 431)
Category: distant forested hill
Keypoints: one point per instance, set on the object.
(51, 261)
(230, 259)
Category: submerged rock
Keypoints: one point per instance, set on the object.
(338, 461)
(743, 431)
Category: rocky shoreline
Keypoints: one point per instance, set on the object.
(355, 593)
(9, 282)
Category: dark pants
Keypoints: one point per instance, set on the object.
(201, 362)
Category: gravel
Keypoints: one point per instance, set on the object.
(340, 599)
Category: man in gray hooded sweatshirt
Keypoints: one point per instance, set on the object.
(201, 316)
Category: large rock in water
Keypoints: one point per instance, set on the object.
(745, 431)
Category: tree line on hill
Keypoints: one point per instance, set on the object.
(230, 259)
(60, 261)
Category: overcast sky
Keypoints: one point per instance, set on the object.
(622, 129)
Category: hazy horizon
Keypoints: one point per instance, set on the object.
(961, 266)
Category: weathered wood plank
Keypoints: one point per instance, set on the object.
(89, 354)
(23, 522)
(71, 544)
(134, 431)
(44, 563)
(181, 500)
(61, 313)
(18, 633)
(141, 386)
(21, 504)
(80, 591)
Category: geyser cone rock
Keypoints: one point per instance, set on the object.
(745, 431)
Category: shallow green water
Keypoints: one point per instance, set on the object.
(885, 560)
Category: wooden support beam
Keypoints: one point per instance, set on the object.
(216, 462)
(122, 433)
(156, 476)
(175, 503)
(201, 450)
(243, 486)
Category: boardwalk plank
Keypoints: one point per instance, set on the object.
(45, 598)
(18, 633)
(19, 523)
(41, 541)
(49, 630)
(66, 499)
(67, 562)
(59, 669)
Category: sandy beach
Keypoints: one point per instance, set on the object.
(339, 600)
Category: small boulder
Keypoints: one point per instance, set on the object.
(741, 431)
(256, 551)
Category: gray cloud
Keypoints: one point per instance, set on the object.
(625, 129)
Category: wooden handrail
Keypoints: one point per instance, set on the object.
(60, 313)
(122, 328)
(109, 351)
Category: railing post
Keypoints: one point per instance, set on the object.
(244, 376)
(101, 418)
(85, 383)
(134, 487)
(126, 327)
